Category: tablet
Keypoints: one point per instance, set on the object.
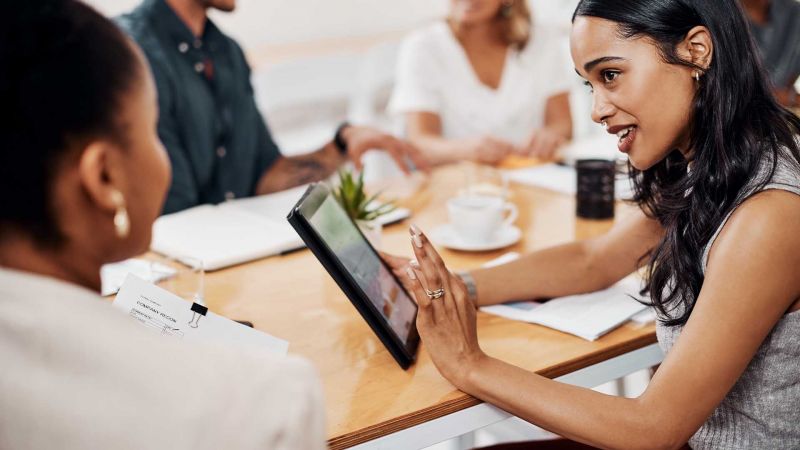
(359, 271)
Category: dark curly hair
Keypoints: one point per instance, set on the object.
(64, 69)
(737, 128)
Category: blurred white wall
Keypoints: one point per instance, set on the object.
(318, 61)
(274, 22)
(256, 23)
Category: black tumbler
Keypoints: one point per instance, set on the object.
(595, 188)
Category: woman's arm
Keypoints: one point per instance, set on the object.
(750, 284)
(424, 129)
(558, 116)
(573, 268)
(557, 129)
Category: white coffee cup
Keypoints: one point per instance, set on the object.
(477, 218)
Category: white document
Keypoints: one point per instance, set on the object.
(113, 275)
(563, 179)
(588, 316)
(277, 206)
(171, 315)
(274, 207)
(647, 316)
(596, 146)
(236, 231)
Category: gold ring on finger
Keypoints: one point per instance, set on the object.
(433, 295)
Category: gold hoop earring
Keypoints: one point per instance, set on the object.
(122, 223)
(697, 76)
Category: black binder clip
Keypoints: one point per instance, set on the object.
(198, 311)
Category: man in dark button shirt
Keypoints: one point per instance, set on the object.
(776, 28)
(218, 143)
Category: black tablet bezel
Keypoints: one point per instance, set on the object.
(403, 352)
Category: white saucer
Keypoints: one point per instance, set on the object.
(447, 236)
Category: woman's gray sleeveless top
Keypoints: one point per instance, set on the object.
(762, 410)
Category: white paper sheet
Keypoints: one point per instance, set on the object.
(595, 146)
(113, 275)
(277, 206)
(171, 315)
(645, 317)
(588, 316)
(274, 207)
(562, 179)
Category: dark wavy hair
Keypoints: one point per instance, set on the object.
(64, 69)
(737, 128)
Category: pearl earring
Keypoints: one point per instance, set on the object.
(697, 76)
(122, 223)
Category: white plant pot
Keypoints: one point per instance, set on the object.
(372, 230)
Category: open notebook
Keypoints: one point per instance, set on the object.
(588, 316)
(235, 232)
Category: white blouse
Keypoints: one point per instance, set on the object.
(435, 75)
(77, 374)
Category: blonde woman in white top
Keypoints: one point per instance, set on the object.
(83, 176)
(484, 84)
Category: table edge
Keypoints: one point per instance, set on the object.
(466, 401)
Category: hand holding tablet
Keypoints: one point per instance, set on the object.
(359, 271)
(447, 317)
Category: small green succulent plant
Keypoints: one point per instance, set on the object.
(351, 195)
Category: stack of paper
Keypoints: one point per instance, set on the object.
(564, 179)
(171, 315)
(588, 316)
(234, 232)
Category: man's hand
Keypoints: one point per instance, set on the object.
(363, 139)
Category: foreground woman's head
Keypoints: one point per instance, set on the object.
(82, 171)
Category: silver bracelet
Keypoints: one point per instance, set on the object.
(469, 282)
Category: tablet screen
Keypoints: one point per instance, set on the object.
(333, 225)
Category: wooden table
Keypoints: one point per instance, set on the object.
(367, 394)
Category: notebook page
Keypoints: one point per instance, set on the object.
(277, 206)
(588, 316)
(221, 237)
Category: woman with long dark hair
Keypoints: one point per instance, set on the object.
(716, 168)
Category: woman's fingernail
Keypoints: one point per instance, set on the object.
(415, 230)
(417, 241)
(411, 273)
(413, 263)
